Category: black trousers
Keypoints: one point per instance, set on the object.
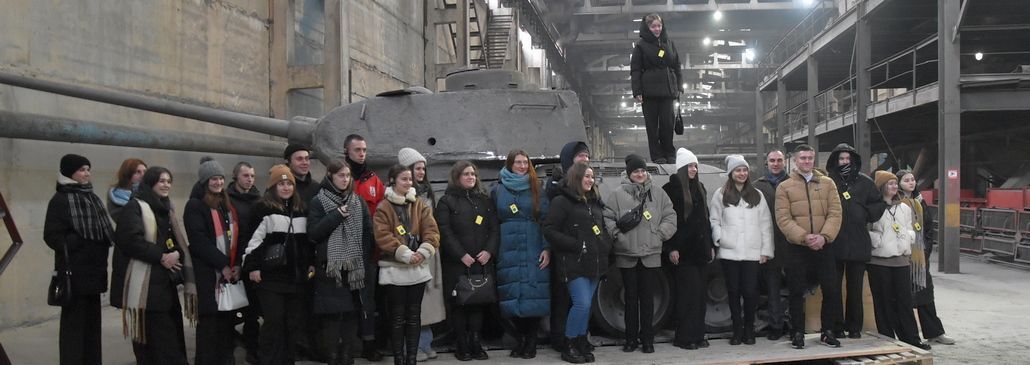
(527, 326)
(638, 285)
(283, 313)
(658, 118)
(80, 331)
(929, 321)
(691, 292)
(560, 304)
(803, 264)
(251, 314)
(741, 283)
(467, 319)
(166, 343)
(405, 318)
(339, 331)
(854, 273)
(215, 338)
(773, 284)
(892, 302)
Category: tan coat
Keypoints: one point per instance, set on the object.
(808, 207)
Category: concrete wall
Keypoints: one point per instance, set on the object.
(387, 46)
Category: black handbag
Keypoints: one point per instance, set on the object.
(59, 293)
(678, 127)
(474, 289)
(275, 254)
(631, 219)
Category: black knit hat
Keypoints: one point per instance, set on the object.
(634, 162)
(293, 148)
(71, 163)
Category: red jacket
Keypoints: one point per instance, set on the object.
(370, 188)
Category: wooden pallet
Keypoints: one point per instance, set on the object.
(917, 356)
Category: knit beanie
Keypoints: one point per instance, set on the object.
(634, 162)
(71, 163)
(209, 168)
(735, 161)
(293, 148)
(882, 177)
(279, 173)
(408, 156)
(684, 157)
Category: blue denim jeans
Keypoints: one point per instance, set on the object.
(425, 339)
(581, 290)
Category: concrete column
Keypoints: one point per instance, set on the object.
(759, 122)
(336, 70)
(863, 53)
(948, 137)
(812, 114)
(781, 110)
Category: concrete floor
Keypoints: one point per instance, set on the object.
(984, 309)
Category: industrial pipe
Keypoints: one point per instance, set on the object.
(48, 128)
(297, 131)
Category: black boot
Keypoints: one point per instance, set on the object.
(476, 347)
(647, 345)
(749, 334)
(370, 352)
(559, 343)
(570, 353)
(345, 353)
(520, 346)
(738, 335)
(583, 346)
(461, 350)
(529, 351)
(797, 340)
(630, 345)
(412, 330)
(397, 333)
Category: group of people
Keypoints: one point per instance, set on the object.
(354, 257)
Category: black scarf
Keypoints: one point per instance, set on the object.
(776, 179)
(89, 218)
(356, 169)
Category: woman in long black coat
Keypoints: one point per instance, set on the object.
(77, 224)
(690, 250)
(151, 256)
(656, 79)
(469, 237)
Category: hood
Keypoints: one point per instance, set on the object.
(856, 160)
(633, 188)
(462, 192)
(568, 153)
(647, 36)
(251, 195)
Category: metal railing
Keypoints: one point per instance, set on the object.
(797, 37)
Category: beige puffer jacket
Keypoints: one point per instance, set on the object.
(808, 207)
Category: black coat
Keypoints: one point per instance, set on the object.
(244, 204)
(273, 223)
(130, 243)
(307, 187)
(456, 215)
(693, 238)
(87, 259)
(328, 297)
(655, 76)
(861, 203)
(208, 261)
(779, 240)
(577, 250)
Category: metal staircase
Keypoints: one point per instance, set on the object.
(499, 32)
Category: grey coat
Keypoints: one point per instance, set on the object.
(644, 242)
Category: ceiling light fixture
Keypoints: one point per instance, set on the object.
(978, 56)
(717, 15)
(706, 41)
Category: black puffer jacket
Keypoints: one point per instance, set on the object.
(456, 214)
(693, 238)
(655, 66)
(244, 203)
(87, 259)
(275, 226)
(130, 243)
(861, 203)
(580, 251)
(780, 243)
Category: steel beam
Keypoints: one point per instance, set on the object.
(669, 7)
(863, 55)
(781, 110)
(759, 136)
(949, 142)
(812, 114)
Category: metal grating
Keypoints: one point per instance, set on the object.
(998, 219)
(970, 243)
(967, 218)
(1022, 254)
(999, 245)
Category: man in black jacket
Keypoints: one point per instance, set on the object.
(773, 269)
(298, 158)
(244, 196)
(861, 203)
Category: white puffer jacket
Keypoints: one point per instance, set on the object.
(742, 233)
(886, 241)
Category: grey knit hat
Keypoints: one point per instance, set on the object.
(209, 168)
(735, 161)
(408, 156)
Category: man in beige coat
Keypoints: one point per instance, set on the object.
(808, 212)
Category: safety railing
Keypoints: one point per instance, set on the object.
(796, 38)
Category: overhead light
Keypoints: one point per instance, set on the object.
(636, 31)
(624, 104)
(684, 86)
(717, 15)
(706, 41)
(749, 54)
(808, 2)
(978, 56)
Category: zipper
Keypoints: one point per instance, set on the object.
(808, 197)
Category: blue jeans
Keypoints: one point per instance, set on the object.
(581, 290)
(425, 339)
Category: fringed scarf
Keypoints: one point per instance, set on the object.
(89, 218)
(918, 258)
(344, 247)
(137, 278)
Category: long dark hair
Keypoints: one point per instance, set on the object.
(534, 186)
(687, 187)
(272, 200)
(425, 184)
(334, 167)
(731, 196)
(574, 180)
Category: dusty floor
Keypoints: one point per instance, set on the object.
(985, 309)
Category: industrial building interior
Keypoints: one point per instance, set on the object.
(940, 87)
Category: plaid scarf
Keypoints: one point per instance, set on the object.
(343, 249)
(918, 257)
(89, 218)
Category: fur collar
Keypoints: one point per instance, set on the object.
(395, 198)
(64, 180)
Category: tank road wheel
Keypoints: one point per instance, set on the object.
(609, 307)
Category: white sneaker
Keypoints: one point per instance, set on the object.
(432, 354)
(421, 356)
(943, 339)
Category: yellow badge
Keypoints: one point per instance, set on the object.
(169, 244)
(401, 230)
(597, 231)
(647, 215)
(479, 220)
(514, 208)
(847, 195)
(661, 53)
(917, 226)
(897, 227)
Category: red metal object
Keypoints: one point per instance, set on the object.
(1026, 198)
(1006, 198)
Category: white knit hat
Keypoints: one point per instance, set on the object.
(735, 161)
(684, 157)
(408, 156)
